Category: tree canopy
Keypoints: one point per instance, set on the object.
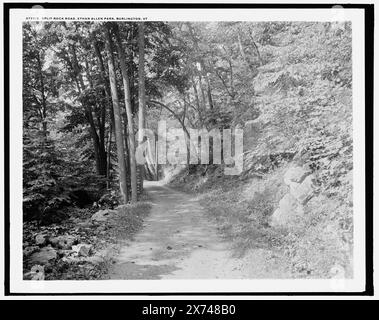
(86, 84)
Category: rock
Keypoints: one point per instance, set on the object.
(102, 228)
(288, 209)
(65, 253)
(96, 259)
(64, 242)
(301, 188)
(102, 215)
(295, 174)
(83, 250)
(37, 272)
(275, 218)
(84, 224)
(43, 256)
(29, 250)
(106, 254)
(302, 192)
(41, 239)
(288, 205)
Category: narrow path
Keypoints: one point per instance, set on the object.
(177, 242)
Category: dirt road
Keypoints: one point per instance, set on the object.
(177, 242)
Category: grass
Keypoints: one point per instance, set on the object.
(242, 206)
(129, 220)
(245, 222)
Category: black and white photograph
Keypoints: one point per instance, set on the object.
(152, 146)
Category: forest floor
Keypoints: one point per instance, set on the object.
(80, 247)
(179, 241)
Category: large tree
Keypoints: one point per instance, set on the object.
(128, 107)
(117, 116)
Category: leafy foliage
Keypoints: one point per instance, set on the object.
(293, 80)
(43, 193)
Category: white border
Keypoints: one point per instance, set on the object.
(17, 16)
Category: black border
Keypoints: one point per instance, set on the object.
(369, 120)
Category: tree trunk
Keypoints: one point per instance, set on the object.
(141, 90)
(202, 71)
(44, 108)
(117, 118)
(202, 91)
(98, 138)
(253, 70)
(109, 145)
(209, 93)
(126, 149)
(128, 107)
(141, 79)
(181, 121)
(200, 110)
(99, 151)
(107, 90)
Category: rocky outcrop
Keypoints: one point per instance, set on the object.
(301, 189)
(295, 174)
(288, 209)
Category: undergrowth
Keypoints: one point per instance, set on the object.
(242, 206)
(105, 239)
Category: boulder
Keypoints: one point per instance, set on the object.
(102, 215)
(43, 256)
(288, 209)
(295, 174)
(302, 191)
(37, 272)
(64, 242)
(40, 239)
(83, 250)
